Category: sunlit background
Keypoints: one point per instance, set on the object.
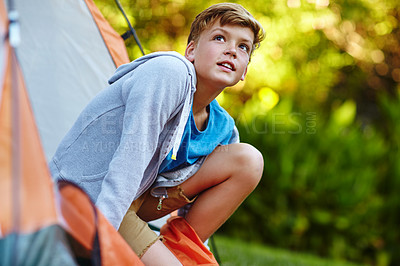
(321, 102)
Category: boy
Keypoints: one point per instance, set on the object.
(156, 139)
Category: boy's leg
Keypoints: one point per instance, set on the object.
(159, 255)
(226, 178)
(144, 242)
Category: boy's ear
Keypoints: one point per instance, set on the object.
(189, 52)
(244, 74)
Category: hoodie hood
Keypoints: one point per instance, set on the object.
(126, 68)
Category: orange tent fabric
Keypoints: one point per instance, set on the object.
(185, 244)
(85, 224)
(25, 185)
(114, 42)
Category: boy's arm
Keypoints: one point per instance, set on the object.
(152, 94)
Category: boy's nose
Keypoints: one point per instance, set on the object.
(230, 50)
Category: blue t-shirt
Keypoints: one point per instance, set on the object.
(197, 143)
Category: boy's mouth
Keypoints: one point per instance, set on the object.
(227, 64)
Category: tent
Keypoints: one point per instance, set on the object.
(58, 52)
(67, 53)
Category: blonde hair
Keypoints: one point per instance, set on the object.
(228, 13)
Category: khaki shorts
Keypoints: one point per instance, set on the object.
(134, 228)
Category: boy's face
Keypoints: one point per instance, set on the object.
(221, 55)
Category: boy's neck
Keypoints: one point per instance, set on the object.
(203, 97)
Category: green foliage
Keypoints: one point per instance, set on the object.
(320, 101)
(235, 252)
(328, 187)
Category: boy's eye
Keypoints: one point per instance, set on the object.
(244, 47)
(219, 38)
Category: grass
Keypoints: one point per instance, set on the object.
(235, 252)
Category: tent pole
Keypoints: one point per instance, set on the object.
(130, 26)
(14, 40)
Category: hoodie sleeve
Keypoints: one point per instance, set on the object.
(235, 136)
(152, 93)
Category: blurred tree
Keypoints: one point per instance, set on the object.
(318, 52)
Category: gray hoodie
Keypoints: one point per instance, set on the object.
(115, 148)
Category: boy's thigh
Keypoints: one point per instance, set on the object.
(221, 164)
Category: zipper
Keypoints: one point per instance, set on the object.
(160, 200)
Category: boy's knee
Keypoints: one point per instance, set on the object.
(250, 161)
